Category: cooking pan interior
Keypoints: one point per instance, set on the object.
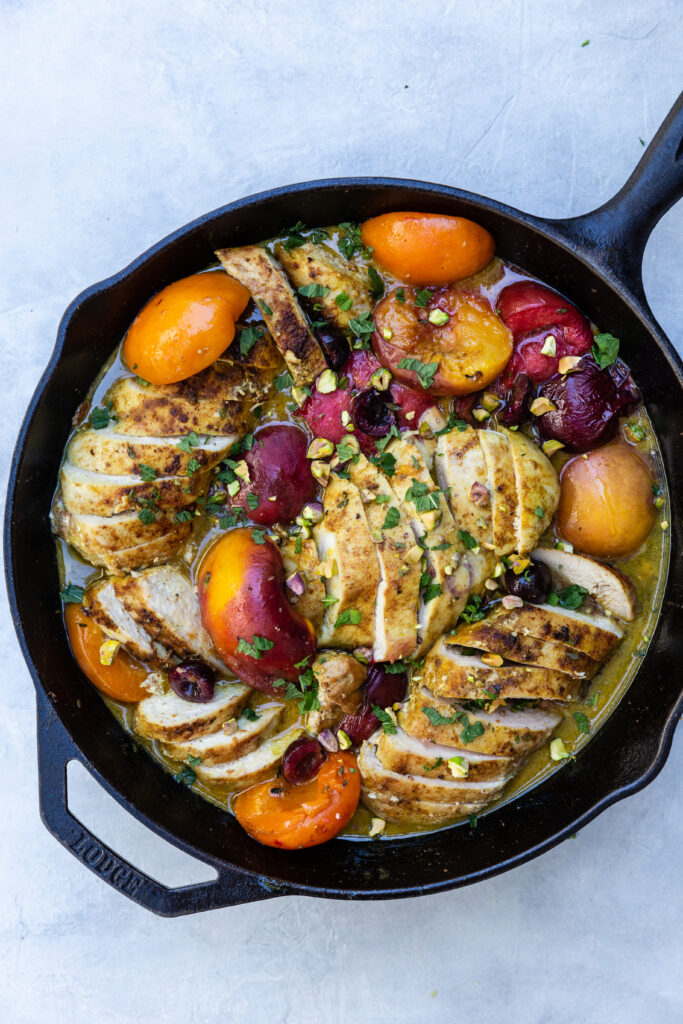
(625, 754)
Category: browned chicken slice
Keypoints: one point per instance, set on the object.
(169, 718)
(502, 487)
(305, 563)
(409, 755)
(210, 402)
(593, 635)
(347, 551)
(314, 263)
(102, 604)
(538, 490)
(463, 475)
(397, 600)
(92, 493)
(123, 541)
(164, 603)
(235, 738)
(256, 269)
(340, 677)
(449, 672)
(494, 636)
(507, 732)
(105, 451)
(410, 812)
(608, 586)
(251, 768)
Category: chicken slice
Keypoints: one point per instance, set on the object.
(377, 778)
(503, 489)
(169, 718)
(409, 755)
(228, 744)
(538, 490)
(608, 586)
(164, 603)
(123, 541)
(102, 604)
(305, 562)
(252, 767)
(593, 635)
(437, 533)
(463, 476)
(340, 677)
(312, 263)
(92, 493)
(398, 592)
(209, 402)
(105, 451)
(449, 672)
(346, 547)
(506, 731)
(411, 812)
(270, 289)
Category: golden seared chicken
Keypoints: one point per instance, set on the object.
(260, 273)
(338, 279)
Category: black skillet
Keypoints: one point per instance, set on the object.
(596, 261)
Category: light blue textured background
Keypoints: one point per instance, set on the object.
(121, 121)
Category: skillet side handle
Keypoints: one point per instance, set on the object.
(615, 235)
(55, 750)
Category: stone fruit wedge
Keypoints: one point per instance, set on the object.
(507, 732)
(258, 271)
(494, 636)
(397, 598)
(448, 672)
(228, 745)
(418, 787)
(463, 475)
(169, 718)
(538, 490)
(503, 489)
(346, 547)
(409, 755)
(313, 263)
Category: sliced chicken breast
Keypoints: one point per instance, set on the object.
(448, 672)
(252, 768)
(123, 541)
(494, 636)
(106, 451)
(305, 562)
(346, 547)
(608, 586)
(340, 678)
(102, 604)
(270, 289)
(594, 635)
(463, 476)
(507, 732)
(228, 744)
(164, 603)
(93, 493)
(171, 719)
(313, 263)
(418, 787)
(210, 402)
(397, 600)
(410, 812)
(502, 487)
(443, 556)
(538, 490)
(409, 755)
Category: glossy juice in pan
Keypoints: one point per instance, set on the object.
(595, 260)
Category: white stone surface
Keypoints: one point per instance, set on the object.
(120, 122)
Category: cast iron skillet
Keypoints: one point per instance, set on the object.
(594, 259)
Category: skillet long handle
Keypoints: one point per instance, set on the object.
(616, 233)
(55, 750)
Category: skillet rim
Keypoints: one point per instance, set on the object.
(554, 232)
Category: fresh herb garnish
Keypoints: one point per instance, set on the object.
(391, 519)
(258, 536)
(314, 291)
(265, 308)
(450, 425)
(538, 511)
(605, 349)
(343, 300)
(252, 501)
(71, 593)
(386, 462)
(183, 516)
(192, 466)
(582, 723)
(284, 380)
(376, 283)
(147, 516)
(254, 648)
(100, 416)
(248, 338)
(431, 767)
(250, 715)
(349, 617)
(571, 597)
(436, 718)
(467, 539)
(186, 775)
(385, 720)
(425, 372)
(472, 611)
(422, 297)
(189, 442)
(148, 473)
(401, 295)
(362, 326)
(351, 242)
(430, 592)
(294, 237)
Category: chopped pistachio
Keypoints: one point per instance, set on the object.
(564, 545)
(438, 317)
(345, 417)
(569, 364)
(499, 570)
(321, 472)
(326, 382)
(518, 564)
(431, 519)
(511, 601)
(300, 395)
(343, 740)
(242, 471)
(491, 584)
(549, 347)
(489, 401)
(540, 406)
(459, 766)
(664, 524)
(414, 554)
(634, 432)
(108, 651)
(494, 660)
(319, 448)
(381, 379)
(377, 826)
(558, 751)
(387, 334)
(312, 513)
(327, 569)
(480, 414)
(233, 488)
(550, 447)
(659, 501)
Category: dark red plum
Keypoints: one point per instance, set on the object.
(279, 469)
